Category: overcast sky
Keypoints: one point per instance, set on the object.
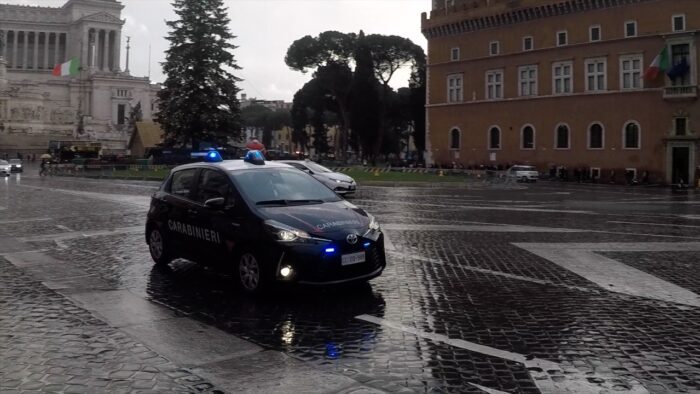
(264, 30)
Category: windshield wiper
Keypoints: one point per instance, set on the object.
(288, 202)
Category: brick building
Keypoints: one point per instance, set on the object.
(560, 83)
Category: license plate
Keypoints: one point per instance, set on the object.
(353, 258)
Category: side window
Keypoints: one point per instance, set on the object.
(212, 184)
(182, 183)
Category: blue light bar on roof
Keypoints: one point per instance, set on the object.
(254, 157)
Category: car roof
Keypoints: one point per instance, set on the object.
(233, 165)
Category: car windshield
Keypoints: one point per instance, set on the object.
(524, 168)
(15, 161)
(281, 186)
(3, 162)
(316, 167)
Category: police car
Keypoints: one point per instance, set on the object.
(267, 221)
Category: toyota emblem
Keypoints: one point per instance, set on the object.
(351, 238)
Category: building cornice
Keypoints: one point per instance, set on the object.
(550, 96)
(433, 28)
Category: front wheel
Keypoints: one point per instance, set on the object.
(250, 273)
(157, 246)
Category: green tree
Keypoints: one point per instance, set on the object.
(417, 107)
(329, 54)
(365, 103)
(198, 101)
(300, 118)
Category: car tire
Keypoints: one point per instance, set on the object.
(158, 247)
(250, 273)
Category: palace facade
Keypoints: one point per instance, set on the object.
(561, 83)
(92, 106)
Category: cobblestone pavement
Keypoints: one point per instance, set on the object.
(544, 287)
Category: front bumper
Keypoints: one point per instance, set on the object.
(345, 188)
(16, 169)
(311, 265)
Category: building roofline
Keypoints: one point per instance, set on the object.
(456, 23)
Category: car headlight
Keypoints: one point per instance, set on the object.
(373, 223)
(284, 233)
(337, 180)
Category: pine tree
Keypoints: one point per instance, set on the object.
(198, 101)
(365, 101)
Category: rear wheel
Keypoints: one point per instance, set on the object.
(250, 273)
(158, 247)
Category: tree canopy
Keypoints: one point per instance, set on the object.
(362, 98)
(198, 101)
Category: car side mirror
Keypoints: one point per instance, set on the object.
(310, 172)
(216, 203)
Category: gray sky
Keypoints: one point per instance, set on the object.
(264, 30)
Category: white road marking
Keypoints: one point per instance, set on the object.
(510, 228)
(538, 368)
(62, 227)
(83, 234)
(487, 390)
(25, 220)
(138, 200)
(497, 228)
(653, 224)
(490, 272)
(690, 217)
(480, 207)
(609, 274)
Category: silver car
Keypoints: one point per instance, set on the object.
(339, 183)
(5, 168)
(523, 173)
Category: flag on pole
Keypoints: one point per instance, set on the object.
(71, 67)
(660, 64)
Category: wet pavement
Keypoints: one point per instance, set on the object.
(545, 287)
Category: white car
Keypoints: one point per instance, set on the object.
(523, 173)
(5, 168)
(339, 183)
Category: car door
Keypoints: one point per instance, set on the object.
(223, 223)
(182, 212)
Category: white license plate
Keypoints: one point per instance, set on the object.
(353, 258)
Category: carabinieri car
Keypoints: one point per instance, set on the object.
(267, 221)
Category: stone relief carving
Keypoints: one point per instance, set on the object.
(63, 116)
(103, 17)
(27, 113)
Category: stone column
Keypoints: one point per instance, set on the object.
(105, 54)
(35, 59)
(14, 49)
(117, 50)
(56, 52)
(47, 64)
(25, 49)
(4, 44)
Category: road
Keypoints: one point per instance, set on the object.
(547, 287)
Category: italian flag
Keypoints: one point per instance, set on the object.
(661, 63)
(71, 67)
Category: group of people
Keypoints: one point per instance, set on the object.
(29, 158)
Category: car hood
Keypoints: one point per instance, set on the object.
(325, 220)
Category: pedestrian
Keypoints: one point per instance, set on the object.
(42, 167)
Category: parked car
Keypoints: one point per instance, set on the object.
(5, 168)
(339, 183)
(16, 165)
(523, 173)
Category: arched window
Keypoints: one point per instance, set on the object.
(527, 138)
(595, 136)
(494, 138)
(454, 139)
(631, 135)
(561, 140)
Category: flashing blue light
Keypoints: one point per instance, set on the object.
(330, 250)
(254, 157)
(209, 156)
(366, 244)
